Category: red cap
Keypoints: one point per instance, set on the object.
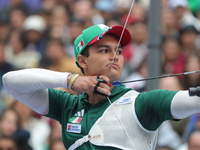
(117, 30)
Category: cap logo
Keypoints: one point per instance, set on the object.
(101, 35)
(103, 27)
(81, 44)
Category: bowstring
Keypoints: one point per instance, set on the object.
(118, 44)
(118, 118)
(125, 24)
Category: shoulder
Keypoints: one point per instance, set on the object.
(63, 96)
(155, 99)
(61, 102)
(153, 107)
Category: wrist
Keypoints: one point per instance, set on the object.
(68, 79)
(71, 79)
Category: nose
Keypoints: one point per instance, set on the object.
(114, 56)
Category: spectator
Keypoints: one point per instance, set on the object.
(33, 6)
(192, 64)
(75, 28)
(106, 9)
(8, 143)
(170, 83)
(4, 30)
(173, 59)
(48, 5)
(56, 130)
(59, 18)
(164, 148)
(9, 122)
(139, 12)
(141, 72)
(55, 138)
(62, 29)
(193, 141)
(55, 51)
(183, 14)
(137, 50)
(10, 126)
(13, 4)
(84, 10)
(188, 38)
(4, 65)
(168, 135)
(169, 23)
(192, 125)
(122, 6)
(17, 54)
(17, 17)
(57, 144)
(34, 30)
(37, 127)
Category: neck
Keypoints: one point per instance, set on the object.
(96, 98)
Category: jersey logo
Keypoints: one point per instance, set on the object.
(80, 113)
(123, 100)
(73, 128)
(77, 117)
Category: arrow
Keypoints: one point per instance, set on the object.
(117, 83)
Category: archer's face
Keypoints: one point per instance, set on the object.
(104, 59)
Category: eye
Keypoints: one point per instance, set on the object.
(104, 51)
(119, 52)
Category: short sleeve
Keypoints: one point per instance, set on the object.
(153, 107)
(59, 101)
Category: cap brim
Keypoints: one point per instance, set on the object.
(119, 31)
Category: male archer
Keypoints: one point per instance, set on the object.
(100, 116)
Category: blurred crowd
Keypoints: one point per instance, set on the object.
(40, 33)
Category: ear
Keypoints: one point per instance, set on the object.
(82, 61)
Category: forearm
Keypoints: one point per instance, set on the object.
(30, 86)
(184, 105)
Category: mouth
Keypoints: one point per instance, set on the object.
(113, 65)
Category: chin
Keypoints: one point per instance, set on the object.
(113, 77)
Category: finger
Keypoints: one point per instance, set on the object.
(105, 78)
(105, 86)
(106, 92)
(103, 91)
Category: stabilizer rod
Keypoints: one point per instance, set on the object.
(194, 91)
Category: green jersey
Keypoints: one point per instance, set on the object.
(77, 115)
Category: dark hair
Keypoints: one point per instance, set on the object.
(21, 37)
(56, 40)
(85, 53)
(11, 138)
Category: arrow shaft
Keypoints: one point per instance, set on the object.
(159, 77)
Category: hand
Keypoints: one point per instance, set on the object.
(87, 84)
